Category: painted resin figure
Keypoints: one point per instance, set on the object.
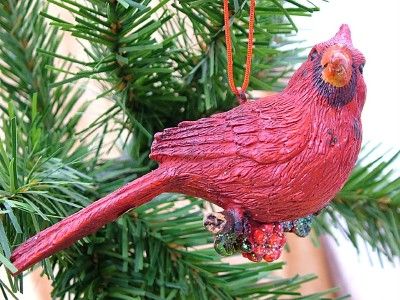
(270, 164)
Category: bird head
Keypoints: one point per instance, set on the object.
(335, 69)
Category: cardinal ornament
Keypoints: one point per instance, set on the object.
(270, 164)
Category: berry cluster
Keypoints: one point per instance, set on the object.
(267, 242)
(256, 241)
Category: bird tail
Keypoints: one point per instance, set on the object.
(88, 220)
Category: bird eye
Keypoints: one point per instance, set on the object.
(361, 68)
(313, 54)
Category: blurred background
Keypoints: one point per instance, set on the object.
(363, 274)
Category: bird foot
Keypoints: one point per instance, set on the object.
(236, 232)
(226, 221)
(214, 222)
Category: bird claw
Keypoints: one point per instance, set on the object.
(232, 237)
(230, 220)
(214, 222)
(236, 232)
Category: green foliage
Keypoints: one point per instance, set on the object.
(41, 178)
(133, 67)
(23, 71)
(37, 186)
(158, 62)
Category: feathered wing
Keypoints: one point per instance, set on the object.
(266, 131)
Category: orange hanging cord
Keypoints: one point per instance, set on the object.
(229, 56)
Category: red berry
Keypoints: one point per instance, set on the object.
(259, 250)
(274, 240)
(256, 258)
(272, 255)
(259, 236)
(251, 256)
(277, 240)
(268, 258)
(268, 228)
(283, 241)
(278, 228)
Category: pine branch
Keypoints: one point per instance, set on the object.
(368, 207)
(25, 70)
(132, 65)
(39, 182)
(41, 178)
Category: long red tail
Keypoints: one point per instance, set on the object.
(64, 233)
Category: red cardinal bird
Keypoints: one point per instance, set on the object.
(276, 159)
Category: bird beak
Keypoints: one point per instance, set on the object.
(343, 35)
(337, 65)
(337, 61)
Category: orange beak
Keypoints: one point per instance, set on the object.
(337, 59)
(337, 66)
